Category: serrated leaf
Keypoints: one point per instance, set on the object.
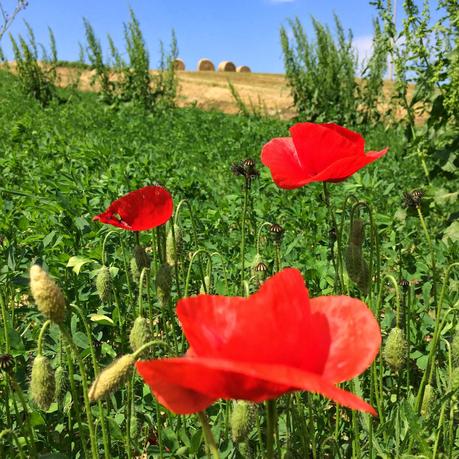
(77, 262)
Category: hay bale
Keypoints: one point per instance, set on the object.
(205, 65)
(226, 66)
(243, 69)
(179, 64)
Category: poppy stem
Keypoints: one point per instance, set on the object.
(208, 435)
(244, 212)
(332, 235)
(270, 428)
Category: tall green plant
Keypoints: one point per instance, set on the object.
(321, 72)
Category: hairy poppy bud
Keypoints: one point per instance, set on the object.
(243, 417)
(104, 284)
(42, 382)
(427, 400)
(111, 378)
(141, 257)
(173, 253)
(164, 283)
(395, 350)
(357, 232)
(140, 333)
(357, 267)
(206, 284)
(454, 383)
(48, 296)
(61, 384)
(135, 273)
(455, 348)
(134, 426)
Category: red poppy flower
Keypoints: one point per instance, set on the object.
(139, 210)
(316, 153)
(257, 348)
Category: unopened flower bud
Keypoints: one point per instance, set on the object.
(141, 257)
(164, 283)
(42, 382)
(61, 384)
(140, 333)
(427, 400)
(206, 285)
(243, 417)
(111, 378)
(395, 350)
(455, 348)
(135, 273)
(174, 247)
(357, 267)
(104, 284)
(48, 296)
(454, 383)
(357, 232)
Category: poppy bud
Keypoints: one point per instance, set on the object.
(395, 350)
(243, 417)
(104, 284)
(455, 347)
(357, 232)
(427, 400)
(48, 296)
(413, 199)
(404, 283)
(111, 378)
(135, 273)
(141, 257)
(140, 333)
(454, 383)
(61, 384)
(277, 233)
(173, 253)
(42, 382)
(164, 283)
(134, 426)
(6, 362)
(357, 267)
(206, 284)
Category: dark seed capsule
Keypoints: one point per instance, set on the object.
(6, 362)
(413, 199)
(404, 284)
(277, 232)
(261, 267)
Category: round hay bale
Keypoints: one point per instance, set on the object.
(243, 69)
(226, 66)
(205, 65)
(179, 64)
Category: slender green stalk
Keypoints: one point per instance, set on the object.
(40, 337)
(16, 440)
(84, 382)
(243, 219)
(176, 264)
(5, 325)
(104, 243)
(128, 403)
(270, 428)
(208, 435)
(187, 279)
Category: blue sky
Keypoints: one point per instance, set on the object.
(243, 31)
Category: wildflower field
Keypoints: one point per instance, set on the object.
(181, 283)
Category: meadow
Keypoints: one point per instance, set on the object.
(386, 235)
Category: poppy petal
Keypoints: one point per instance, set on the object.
(276, 318)
(185, 385)
(320, 145)
(139, 210)
(355, 336)
(280, 156)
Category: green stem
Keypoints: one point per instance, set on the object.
(104, 243)
(176, 262)
(243, 218)
(270, 428)
(40, 337)
(208, 435)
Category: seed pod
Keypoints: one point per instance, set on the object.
(104, 284)
(395, 350)
(111, 378)
(277, 233)
(140, 333)
(42, 382)
(427, 400)
(61, 384)
(243, 417)
(48, 296)
(164, 283)
(173, 254)
(6, 362)
(141, 257)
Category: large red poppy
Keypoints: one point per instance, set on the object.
(257, 348)
(139, 210)
(316, 153)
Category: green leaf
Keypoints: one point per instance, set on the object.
(77, 262)
(101, 319)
